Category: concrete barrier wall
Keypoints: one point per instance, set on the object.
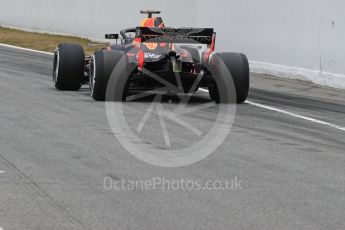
(300, 39)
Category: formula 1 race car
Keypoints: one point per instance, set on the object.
(156, 57)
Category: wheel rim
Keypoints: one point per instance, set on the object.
(56, 65)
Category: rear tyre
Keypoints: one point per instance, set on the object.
(101, 66)
(238, 66)
(68, 69)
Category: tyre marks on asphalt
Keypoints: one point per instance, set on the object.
(31, 187)
(292, 114)
(295, 115)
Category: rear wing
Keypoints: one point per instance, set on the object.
(172, 35)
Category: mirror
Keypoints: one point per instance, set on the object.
(112, 36)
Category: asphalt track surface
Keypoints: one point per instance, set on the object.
(56, 148)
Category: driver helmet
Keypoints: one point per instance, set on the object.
(152, 22)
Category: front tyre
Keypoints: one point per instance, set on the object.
(68, 69)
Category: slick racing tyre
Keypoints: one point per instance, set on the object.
(238, 67)
(68, 69)
(101, 66)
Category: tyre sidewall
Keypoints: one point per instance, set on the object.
(70, 66)
(238, 66)
(104, 61)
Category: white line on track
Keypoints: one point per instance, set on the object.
(291, 114)
(0, 173)
(204, 90)
(296, 115)
(25, 49)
